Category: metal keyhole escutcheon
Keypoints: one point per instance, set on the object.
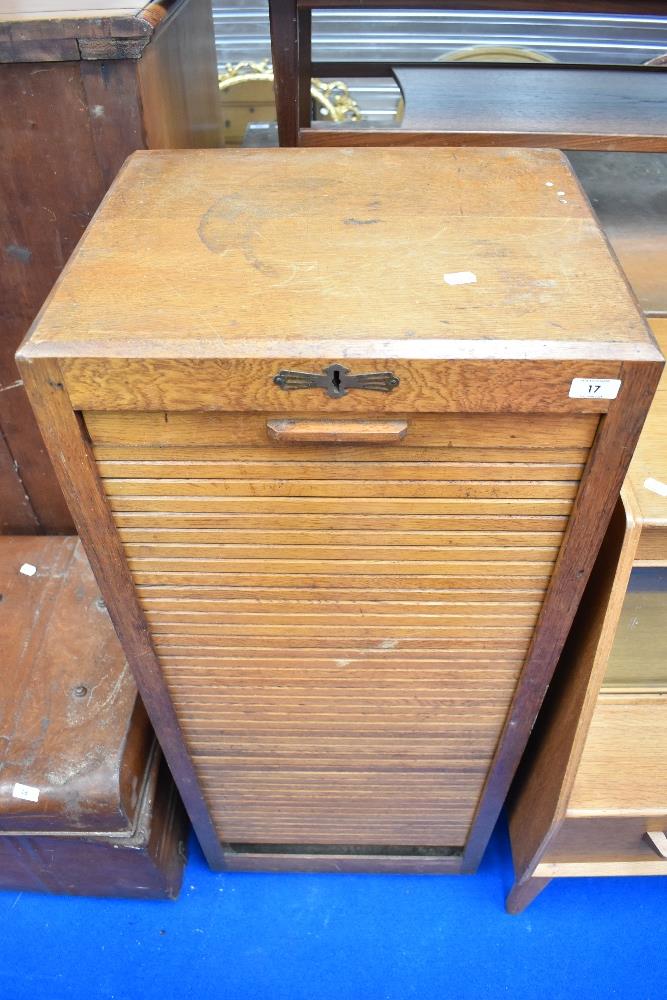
(337, 381)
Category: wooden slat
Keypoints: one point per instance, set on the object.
(526, 584)
(339, 505)
(252, 469)
(487, 682)
(326, 619)
(204, 632)
(476, 655)
(278, 488)
(206, 554)
(346, 683)
(291, 630)
(213, 651)
(165, 519)
(222, 608)
(204, 429)
(509, 541)
(264, 565)
(454, 749)
(493, 592)
(550, 454)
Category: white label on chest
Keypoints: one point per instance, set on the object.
(27, 792)
(594, 388)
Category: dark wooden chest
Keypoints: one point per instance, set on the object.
(87, 805)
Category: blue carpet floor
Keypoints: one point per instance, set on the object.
(334, 937)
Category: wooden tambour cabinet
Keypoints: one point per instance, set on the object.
(336, 429)
(81, 87)
(591, 796)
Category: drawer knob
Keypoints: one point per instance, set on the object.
(336, 381)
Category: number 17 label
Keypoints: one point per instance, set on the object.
(594, 388)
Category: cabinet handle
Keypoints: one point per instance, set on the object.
(659, 840)
(337, 431)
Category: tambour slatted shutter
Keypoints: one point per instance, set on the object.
(341, 626)
(343, 518)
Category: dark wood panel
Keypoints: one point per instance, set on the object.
(493, 100)
(49, 189)
(16, 513)
(67, 698)
(67, 127)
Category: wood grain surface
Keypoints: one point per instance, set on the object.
(622, 768)
(346, 695)
(73, 726)
(223, 253)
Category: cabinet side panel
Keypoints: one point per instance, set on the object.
(544, 780)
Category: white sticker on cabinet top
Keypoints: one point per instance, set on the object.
(594, 388)
(27, 792)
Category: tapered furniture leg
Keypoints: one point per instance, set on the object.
(523, 894)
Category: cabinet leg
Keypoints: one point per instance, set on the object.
(523, 893)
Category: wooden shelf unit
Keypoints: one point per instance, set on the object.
(591, 790)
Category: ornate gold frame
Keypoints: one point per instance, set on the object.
(334, 98)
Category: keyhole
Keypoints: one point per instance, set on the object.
(335, 378)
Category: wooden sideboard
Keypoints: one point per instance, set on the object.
(82, 88)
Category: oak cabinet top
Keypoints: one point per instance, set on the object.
(376, 253)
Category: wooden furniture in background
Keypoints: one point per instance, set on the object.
(343, 639)
(555, 105)
(591, 795)
(86, 805)
(570, 107)
(81, 88)
(627, 191)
